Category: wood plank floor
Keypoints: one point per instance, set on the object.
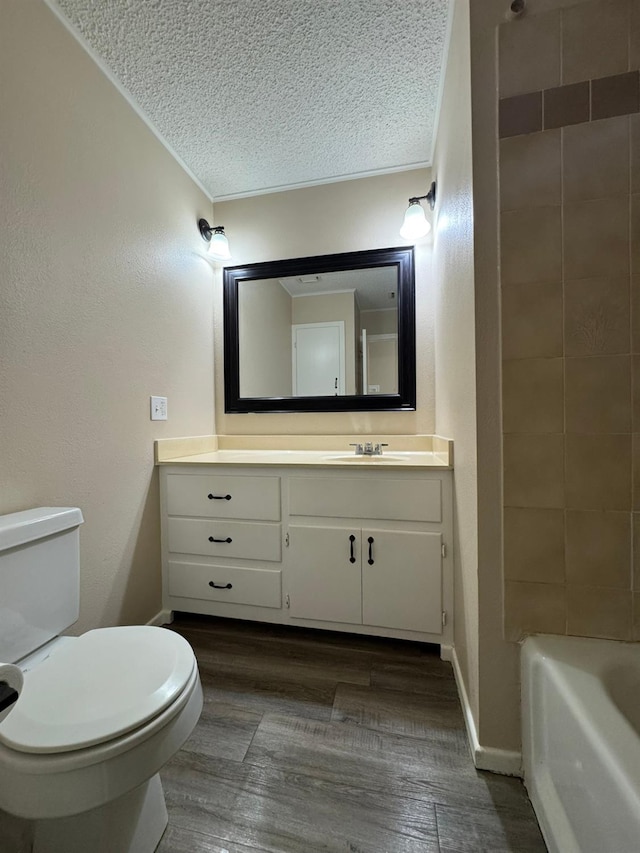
(314, 741)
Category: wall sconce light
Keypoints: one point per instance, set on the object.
(217, 240)
(415, 223)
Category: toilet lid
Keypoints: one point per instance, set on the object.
(106, 683)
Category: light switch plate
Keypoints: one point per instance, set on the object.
(158, 408)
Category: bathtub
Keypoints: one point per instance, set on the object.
(581, 742)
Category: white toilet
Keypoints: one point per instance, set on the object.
(98, 715)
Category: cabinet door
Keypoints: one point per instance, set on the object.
(323, 583)
(402, 587)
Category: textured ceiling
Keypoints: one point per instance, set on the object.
(255, 95)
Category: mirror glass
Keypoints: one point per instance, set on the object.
(330, 333)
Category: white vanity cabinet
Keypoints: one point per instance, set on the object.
(222, 540)
(370, 550)
(368, 576)
(360, 548)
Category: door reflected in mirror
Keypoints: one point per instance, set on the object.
(325, 335)
(332, 333)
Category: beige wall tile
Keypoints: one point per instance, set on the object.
(520, 114)
(598, 472)
(532, 608)
(531, 246)
(595, 40)
(635, 234)
(529, 54)
(532, 320)
(615, 96)
(635, 381)
(598, 394)
(596, 317)
(532, 395)
(599, 548)
(595, 159)
(635, 313)
(534, 545)
(530, 170)
(596, 241)
(599, 612)
(636, 470)
(636, 552)
(533, 469)
(566, 105)
(634, 126)
(634, 35)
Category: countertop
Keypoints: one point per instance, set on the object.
(327, 451)
(313, 458)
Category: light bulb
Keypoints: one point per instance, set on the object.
(415, 223)
(219, 246)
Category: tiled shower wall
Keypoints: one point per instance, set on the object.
(570, 303)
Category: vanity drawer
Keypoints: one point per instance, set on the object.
(370, 497)
(234, 585)
(220, 496)
(248, 540)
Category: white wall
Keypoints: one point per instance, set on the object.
(341, 217)
(264, 330)
(105, 299)
(468, 370)
(455, 335)
(327, 307)
(380, 322)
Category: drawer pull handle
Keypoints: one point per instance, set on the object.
(228, 539)
(370, 541)
(352, 539)
(220, 585)
(219, 497)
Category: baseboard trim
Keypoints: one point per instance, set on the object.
(503, 761)
(164, 617)
(446, 653)
(506, 762)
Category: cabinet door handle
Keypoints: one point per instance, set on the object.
(370, 541)
(220, 585)
(352, 539)
(219, 497)
(228, 539)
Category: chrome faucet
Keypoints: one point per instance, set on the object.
(368, 448)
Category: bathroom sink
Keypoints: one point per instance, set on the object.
(367, 460)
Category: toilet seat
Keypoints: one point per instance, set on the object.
(105, 684)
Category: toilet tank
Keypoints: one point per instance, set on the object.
(39, 577)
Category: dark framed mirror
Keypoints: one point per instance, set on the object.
(332, 333)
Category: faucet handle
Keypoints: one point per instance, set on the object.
(358, 447)
(378, 448)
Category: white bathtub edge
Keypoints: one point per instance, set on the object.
(506, 762)
(552, 820)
